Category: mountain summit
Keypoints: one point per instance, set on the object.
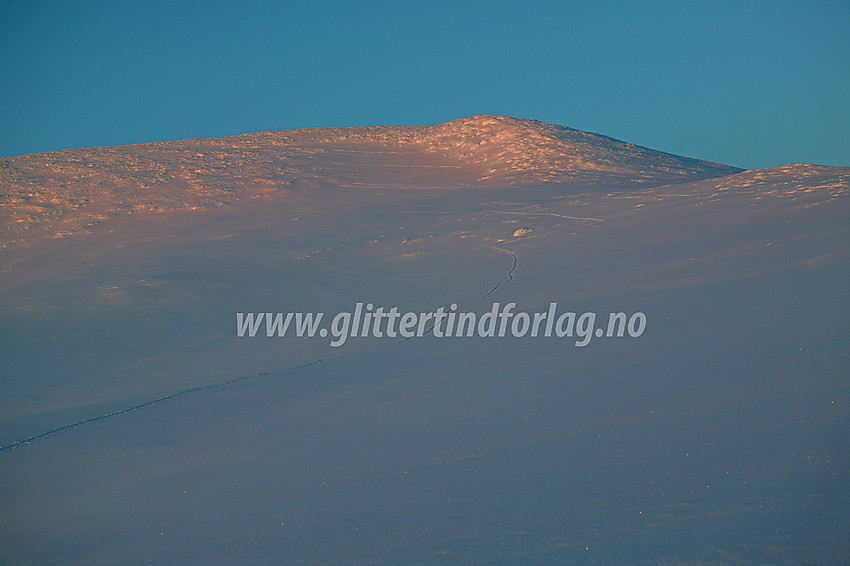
(64, 191)
(500, 151)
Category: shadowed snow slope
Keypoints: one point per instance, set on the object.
(137, 428)
(65, 191)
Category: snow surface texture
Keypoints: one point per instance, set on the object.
(136, 428)
(65, 191)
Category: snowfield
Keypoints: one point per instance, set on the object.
(137, 427)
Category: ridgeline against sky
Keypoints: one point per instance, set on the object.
(65, 191)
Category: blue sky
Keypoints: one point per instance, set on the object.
(752, 84)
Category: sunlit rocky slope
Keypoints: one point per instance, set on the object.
(61, 192)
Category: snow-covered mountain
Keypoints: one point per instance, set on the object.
(64, 191)
(137, 427)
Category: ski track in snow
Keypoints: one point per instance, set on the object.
(143, 405)
(510, 272)
(547, 214)
(91, 420)
(443, 462)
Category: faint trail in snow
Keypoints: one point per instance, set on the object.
(475, 212)
(372, 211)
(547, 214)
(490, 292)
(183, 392)
(147, 404)
(198, 389)
(510, 272)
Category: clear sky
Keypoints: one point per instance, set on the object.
(751, 84)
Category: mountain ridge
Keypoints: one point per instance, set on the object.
(68, 190)
(475, 137)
